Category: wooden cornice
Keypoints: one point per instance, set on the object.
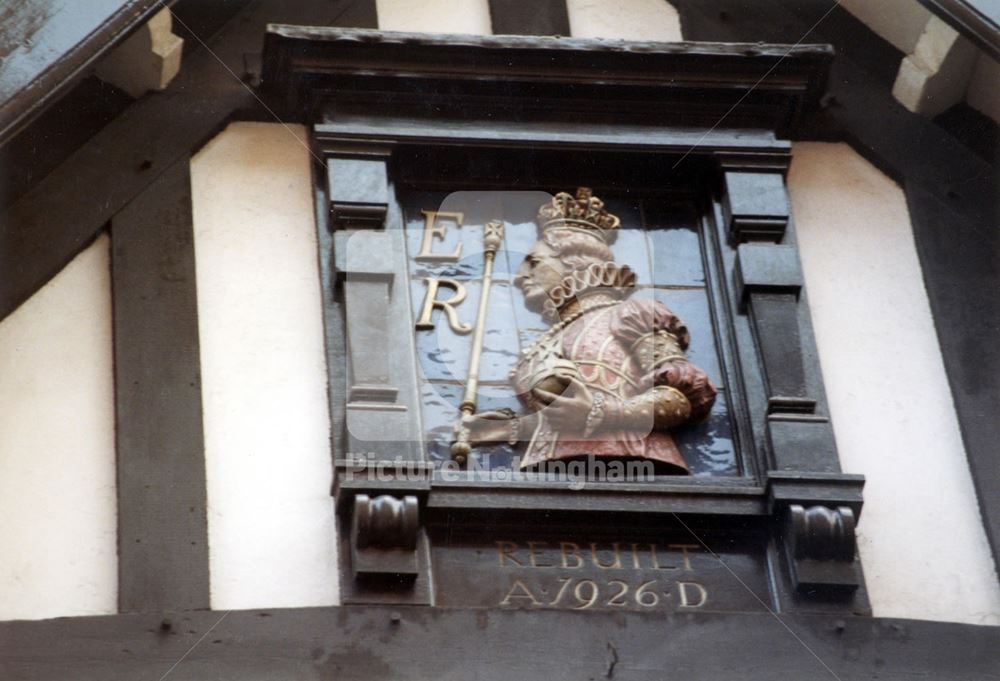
(742, 85)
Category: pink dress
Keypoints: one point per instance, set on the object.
(600, 344)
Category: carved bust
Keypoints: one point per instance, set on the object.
(610, 377)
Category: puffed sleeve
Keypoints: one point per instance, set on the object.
(690, 380)
(639, 317)
(657, 339)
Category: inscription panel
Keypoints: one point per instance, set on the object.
(668, 573)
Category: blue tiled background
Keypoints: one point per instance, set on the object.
(659, 241)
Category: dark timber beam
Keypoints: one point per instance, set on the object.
(960, 258)
(63, 212)
(378, 642)
(162, 523)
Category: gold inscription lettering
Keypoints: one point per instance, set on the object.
(646, 596)
(699, 590)
(684, 548)
(506, 551)
(433, 228)
(656, 559)
(431, 302)
(617, 600)
(585, 601)
(532, 548)
(569, 550)
(518, 590)
(565, 582)
(550, 589)
(584, 594)
(616, 563)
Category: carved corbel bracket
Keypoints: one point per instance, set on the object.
(384, 537)
(818, 513)
(820, 546)
(821, 533)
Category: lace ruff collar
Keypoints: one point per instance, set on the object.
(607, 277)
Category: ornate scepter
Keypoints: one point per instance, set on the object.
(492, 239)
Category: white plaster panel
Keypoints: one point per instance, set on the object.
(921, 538)
(271, 519)
(899, 22)
(58, 508)
(624, 20)
(435, 16)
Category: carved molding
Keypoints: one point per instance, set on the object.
(821, 533)
(304, 65)
(384, 536)
(820, 547)
(385, 521)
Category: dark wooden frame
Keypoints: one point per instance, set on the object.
(379, 93)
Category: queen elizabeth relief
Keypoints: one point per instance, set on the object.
(610, 377)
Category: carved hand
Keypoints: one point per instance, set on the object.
(489, 426)
(568, 411)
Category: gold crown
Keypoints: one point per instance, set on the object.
(585, 213)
